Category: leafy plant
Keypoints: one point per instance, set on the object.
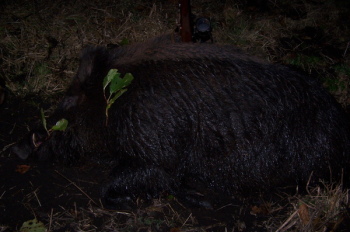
(60, 125)
(117, 86)
(33, 226)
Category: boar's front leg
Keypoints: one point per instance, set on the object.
(127, 184)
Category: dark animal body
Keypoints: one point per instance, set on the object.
(197, 112)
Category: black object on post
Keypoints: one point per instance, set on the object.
(192, 28)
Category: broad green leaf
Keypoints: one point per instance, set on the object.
(116, 87)
(33, 226)
(43, 119)
(113, 73)
(120, 83)
(116, 84)
(61, 125)
(127, 79)
(118, 94)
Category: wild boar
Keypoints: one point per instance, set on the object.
(201, 112)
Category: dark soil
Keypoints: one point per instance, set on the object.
(61, 194)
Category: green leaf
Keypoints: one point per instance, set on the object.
(115, 97)
(32, 226)
(112, 74)
(116, 84)
(116, 87)
(61, 125)
(127, 79)
(119, 83)
(43, 119)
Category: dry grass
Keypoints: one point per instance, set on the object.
(40, 43)
(322, 209)
(153, 218)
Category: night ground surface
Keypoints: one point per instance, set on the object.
(68, 198)
(40, 43)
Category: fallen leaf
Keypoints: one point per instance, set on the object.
(22, 168)
(303, 212)
(33, 226)
(263, 209)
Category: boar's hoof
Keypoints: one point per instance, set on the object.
(111, 201)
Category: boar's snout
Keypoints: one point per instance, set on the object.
(22, 149)
(25, 147)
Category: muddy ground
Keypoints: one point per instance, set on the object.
(40, 43)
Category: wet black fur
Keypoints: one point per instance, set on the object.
(207, 113)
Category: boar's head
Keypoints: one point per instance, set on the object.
(83, 106)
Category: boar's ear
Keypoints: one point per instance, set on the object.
(86, 65)
(94, 61)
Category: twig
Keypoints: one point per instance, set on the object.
(77, 187)
(50, 220)
(223, 207)
(75, 209)
(36, 196)
(122, 213)
(287, 221)
(187, 219)
(308, 183)
(2, 194)
(7, 147)
(346, 49)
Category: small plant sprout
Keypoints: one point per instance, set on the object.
(60, 125)
(43, 119)
(117, 86)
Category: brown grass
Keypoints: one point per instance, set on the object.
(40, 43)
(322, 209)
